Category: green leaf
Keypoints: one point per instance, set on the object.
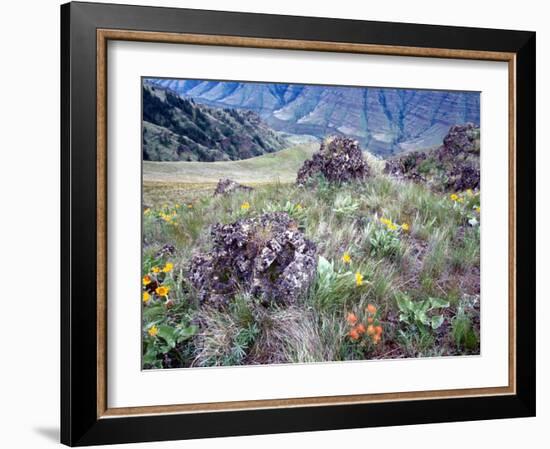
(186, 332)
(168, 334)
(324, 267)
(421, 317)
(152, 313)
(404, 303)
(422, 307)
(437, 321)
(438, 303)
(150, 355)
(403, 317)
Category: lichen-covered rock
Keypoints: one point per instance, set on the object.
(339, 159)
(227, 185)
(462, 138)
(166, 250)
(266, 256)
(454, 166)
(407, 166)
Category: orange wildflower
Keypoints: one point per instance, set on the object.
(353, 334)
(351, 319)
(370, 320)
(360, 328)
(370, 329)
(371, 309)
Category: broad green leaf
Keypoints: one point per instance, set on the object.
(150, 355)
(152, 313)
(422, 306)
(324, 266)
(422, 317)
(437, 321)
(403, 317)
(168, 334)
(186, 333)
(438, 303)
(404, 303)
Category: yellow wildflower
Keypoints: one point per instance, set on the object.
(245, 205)
(392, 226)
(346, 258)
(454, 197)
(469, 192)
(168, 267)
(478, 209)
(190, 206)
(405, 227)
(155, 270)
(153, 330)
(385, 221)
(298, 207)
(146, 280)
(146, 297)
(162, 290)
(358, 279)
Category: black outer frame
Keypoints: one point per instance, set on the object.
(79, 422)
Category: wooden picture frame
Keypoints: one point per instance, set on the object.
(86, 29)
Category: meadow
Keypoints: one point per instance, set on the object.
(397, 271)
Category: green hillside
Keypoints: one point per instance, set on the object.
(178, 129)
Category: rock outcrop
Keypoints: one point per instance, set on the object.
(339, 159)
(266, 256)
(227, 185)
(454, 166)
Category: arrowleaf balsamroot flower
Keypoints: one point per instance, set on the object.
(162, 290)
(168, 267)
(153, 330)
(155, 270)
(454, 197)
(146, 297)
(346, 258)
(358, 279)
(146, 279)
(405, 227)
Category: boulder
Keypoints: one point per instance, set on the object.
(265, 256)
(227, 185)
(339, 159)
(454, 166)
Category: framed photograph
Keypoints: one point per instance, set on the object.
(282, 224)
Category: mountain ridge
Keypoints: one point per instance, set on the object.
(386, 121)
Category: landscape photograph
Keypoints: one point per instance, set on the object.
(299, 223)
